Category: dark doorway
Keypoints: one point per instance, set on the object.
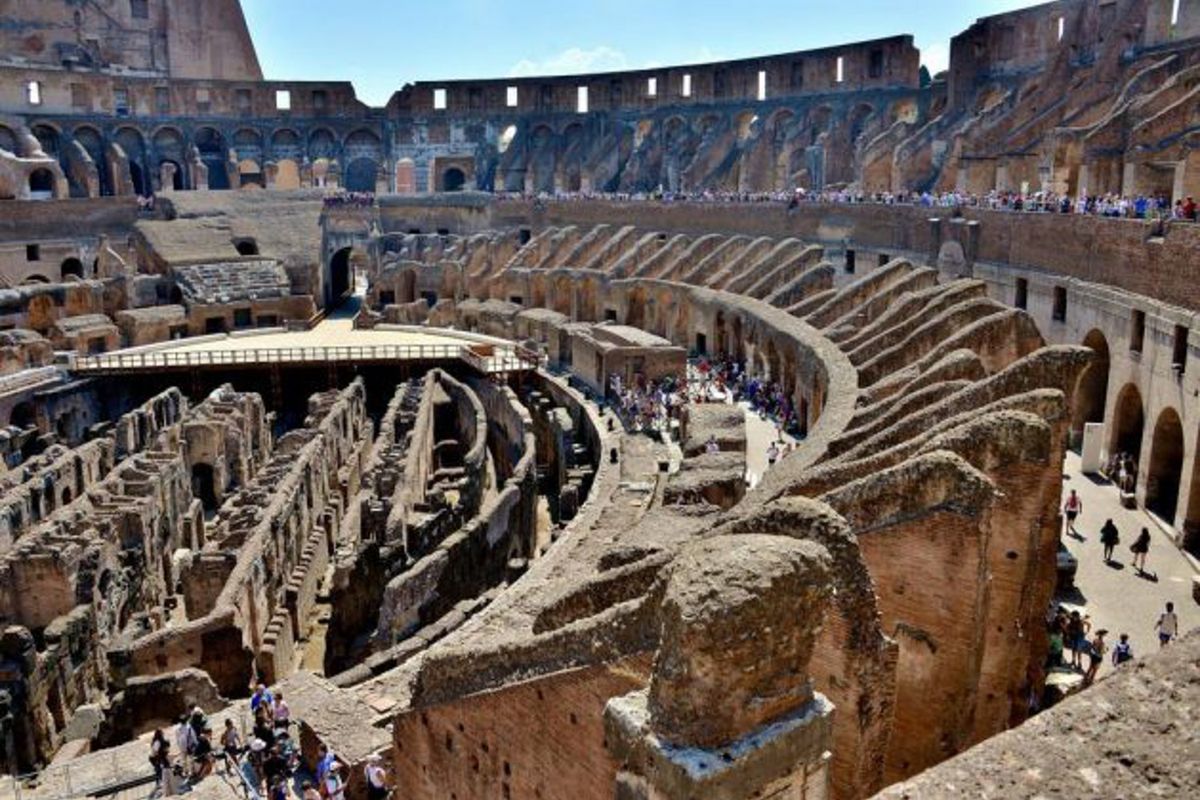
(41, 182)
(453, 180)
(72, 267)
(138, 179)
(246, 247)
(176, 178)
(204, 487)
(340, 276)
(1166, 466)
(215, 156)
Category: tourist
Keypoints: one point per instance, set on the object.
(333, 786)
(278, 790)
(282, 714)
(198, 721)
(711, 447)
(251, 766)
(1122, 651)
(203, 756)
(275, 765)
(326, 760)
(377, 788)
(160, 757)
(1095, 655)
(308, 791)
(1167, 625)
(1054, 654)
(1140, 548)
(264, 727)
(772, 454)
(185, 737)
(231, 744)
(1077, 629)
(262, 697)
(1110, 537)
(1072, 509)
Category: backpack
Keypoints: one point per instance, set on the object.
(1123, 652)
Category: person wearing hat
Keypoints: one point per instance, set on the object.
(334, 783)
(377, 788)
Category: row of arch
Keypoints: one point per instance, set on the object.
(1161, 460)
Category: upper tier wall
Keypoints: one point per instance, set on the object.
(1120, 253)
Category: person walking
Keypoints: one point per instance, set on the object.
(1072, 509)
(1167, 626)
(160, 757)
(377, 788)
(1095, 656)
(1077, 638)
(1140, 548)
(1110, 537)
(1123, 651)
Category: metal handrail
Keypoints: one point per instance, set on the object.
(166, 359)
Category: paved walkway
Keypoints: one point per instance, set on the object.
(1115, 596)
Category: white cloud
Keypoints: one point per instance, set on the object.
(572, 61)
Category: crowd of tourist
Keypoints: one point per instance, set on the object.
(721, 379)
(647, 406)
(349, 200)
(1143, 206)
(267, 763)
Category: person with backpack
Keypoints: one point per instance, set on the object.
(1110, 537)
(1122, 651)
(1167, 626)
(1095, 656)
(377, 788)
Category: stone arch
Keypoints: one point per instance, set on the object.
(23, 415)
(210, 143)
(361, 174)
(322, 144)
(48, 138)
(542, 158)
(635, 308)
(453, 180)
(1129, 420)
(35, 279)
(134, 144)
(8, 140)
(1091, 390)
(286, 143)
(92, 141)
(819, 121)
(746, 124)
(41, 183)
(1164, 471)
(341, 277)
(860, 118)
(204, 487)
(72, 268)
(406, 176)
(363, 141)
(248, 143)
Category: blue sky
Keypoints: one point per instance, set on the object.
(382, 44)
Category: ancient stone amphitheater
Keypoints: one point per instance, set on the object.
(369, 447)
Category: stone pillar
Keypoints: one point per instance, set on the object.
(730, 713)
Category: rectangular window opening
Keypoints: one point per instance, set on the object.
(33, 252)
(80, 96)
(1059, 314)
(439, 99)
(841, 69)
(244, 99)
(652, 87)
(162, 99)
(139, 9)
(1021, 300)
(283, 100)
(884, 258)
(1062, 27)
(686, 90)
(1174, 13)
(850, 256)
(121, 102)
(1179, 350)
(762, 85)
(33, 93)
(511, 98)
(875, 66)
(581, 100)
(1137, 333)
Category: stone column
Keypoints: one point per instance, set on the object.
(730, 713)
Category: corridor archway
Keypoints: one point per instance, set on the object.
(204, 487)
(72, 268)
(453, 180)
(340, 277)
(1091, 390)
(1128, 422)
(1166, 465)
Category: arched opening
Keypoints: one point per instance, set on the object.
(246, 247)
(1091, 392)
(1166, 465)
(204, 487)
(361, 174)
(506, 138)
(340, 277)
(1128, 422)
(41, 184)
(214, 154)
(72, 268)
(176, 174)
(23, 416)
(138, 179)
(453, 180)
